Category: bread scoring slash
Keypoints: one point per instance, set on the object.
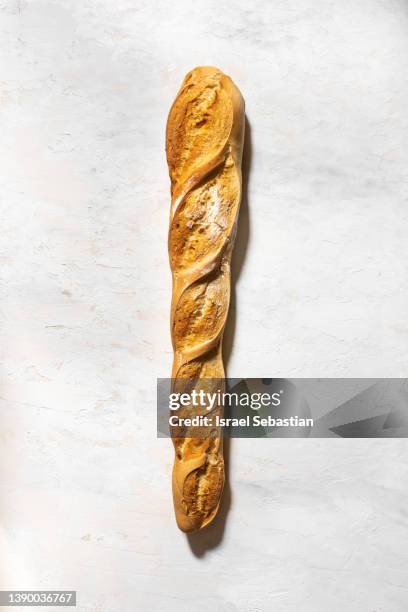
(204, 142)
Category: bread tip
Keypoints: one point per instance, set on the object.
(200, 71)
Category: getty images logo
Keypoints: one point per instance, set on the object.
(199, 398)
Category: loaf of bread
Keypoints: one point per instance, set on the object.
(204, 142)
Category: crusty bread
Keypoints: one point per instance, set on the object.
(204, 141)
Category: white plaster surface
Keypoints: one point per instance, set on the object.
(321, 277)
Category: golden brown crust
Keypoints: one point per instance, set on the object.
(204, 140)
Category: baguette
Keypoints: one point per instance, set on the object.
(204, 142)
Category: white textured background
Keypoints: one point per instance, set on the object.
(321, 268)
